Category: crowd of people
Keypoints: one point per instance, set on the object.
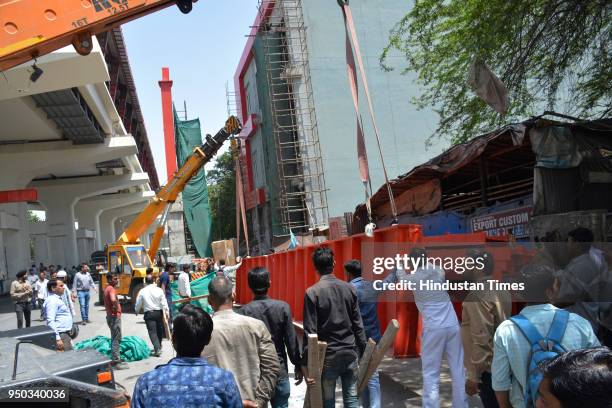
(30, 290)
(516, 361)
(553, 353)
(55, 292)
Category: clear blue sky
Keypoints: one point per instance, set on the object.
(202, 50)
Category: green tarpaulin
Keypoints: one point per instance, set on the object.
(132, 348)
(199, 287)
(196, 208)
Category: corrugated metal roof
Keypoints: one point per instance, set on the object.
(503, 148)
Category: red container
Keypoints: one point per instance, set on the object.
(292, 272)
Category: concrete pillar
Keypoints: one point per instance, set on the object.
(15, 251)
(88, 211)
(3, 265)
(60, 196)
(108, 218)
(62, 232)
(40, 241)
(85, 244)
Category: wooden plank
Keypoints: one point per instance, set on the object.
(187, 300)
(166, 326)
(365, 359)
(315, 393)
(387, 340)
(322, 350)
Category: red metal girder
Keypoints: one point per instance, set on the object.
(19, 196)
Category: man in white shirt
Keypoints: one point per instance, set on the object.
(230, 270)
(68, 297)
(152, 301)
(441, 333)
(184, 289)
(32, 277)
(40, 287)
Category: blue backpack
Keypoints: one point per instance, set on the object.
(542, 349)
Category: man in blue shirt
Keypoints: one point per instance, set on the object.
(367, 298)
(164, 283)
(188, 379)
(512, 350)
(58, 315)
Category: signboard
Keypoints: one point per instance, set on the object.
(508, 222)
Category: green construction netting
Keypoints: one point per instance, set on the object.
(132, 348)
(196, 208)
(199, 287)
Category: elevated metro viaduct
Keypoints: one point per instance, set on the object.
(72, 143)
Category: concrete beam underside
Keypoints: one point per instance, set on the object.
(88, 211)
(108, 218)
(60, 196)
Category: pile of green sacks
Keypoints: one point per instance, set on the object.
(132, 348)
(199, 287)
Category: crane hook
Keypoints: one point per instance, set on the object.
(185, 6)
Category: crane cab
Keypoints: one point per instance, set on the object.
(130, 263)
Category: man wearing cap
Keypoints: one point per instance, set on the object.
(67, 297)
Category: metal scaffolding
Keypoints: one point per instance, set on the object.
(231, 100)
(302, 193)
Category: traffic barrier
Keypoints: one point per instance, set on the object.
(292, 272)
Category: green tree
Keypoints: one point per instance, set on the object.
(32, 217)
(550, 54)
(222, 197)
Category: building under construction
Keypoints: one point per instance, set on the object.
(298, 148)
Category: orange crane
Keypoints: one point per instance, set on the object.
(128, 257)
(32, 28)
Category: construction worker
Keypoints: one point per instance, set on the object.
(441, 331)
(113, 319)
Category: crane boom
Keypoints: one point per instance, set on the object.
(168, 193)
(32, 28)
(127, 257)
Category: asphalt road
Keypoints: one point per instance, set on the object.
(131, 325)
(400, 378)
